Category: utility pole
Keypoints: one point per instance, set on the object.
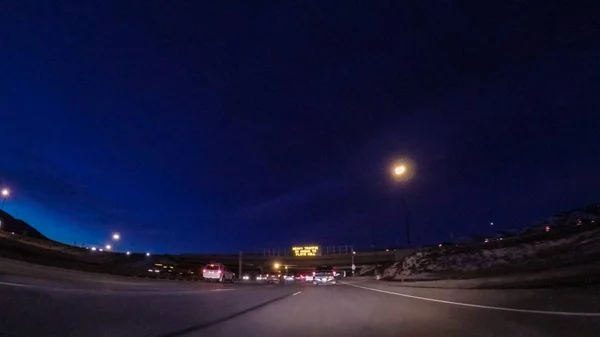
(406, 220)
(240, 266)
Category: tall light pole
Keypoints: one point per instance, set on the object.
(353, 266)
(5, 193)
(402, 172)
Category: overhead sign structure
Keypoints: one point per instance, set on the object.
(306, 251)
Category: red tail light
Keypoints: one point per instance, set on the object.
(314, 273)
(218, 271)
(204, 270)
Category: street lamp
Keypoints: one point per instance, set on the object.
(399, 170)
(276, 265)
(116, 236)
(107, 247)
(147, 254)
(403, 171)
(5, 193)
(353, 266)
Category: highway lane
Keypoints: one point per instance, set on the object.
(348, 311)
(30, 307)
(49, 311)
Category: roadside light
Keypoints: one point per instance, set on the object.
(276, 265)
(93, 248)
(128, 253)
(107, 247)
(116, 236)
(399, 170)
(147, 254)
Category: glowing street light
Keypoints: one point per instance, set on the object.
(116, 236)
(128, 253)
(93, 248)
(107, 247)
(276, 265)
(5, 193)
(399, 170)
(403, 171)
(147, 254)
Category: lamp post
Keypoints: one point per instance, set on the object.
(353, 266)
(5, 193)
(402, 173)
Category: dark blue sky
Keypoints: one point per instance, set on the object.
(245, 125)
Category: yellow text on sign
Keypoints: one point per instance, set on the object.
(305, 251)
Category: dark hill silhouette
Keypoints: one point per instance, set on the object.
(10, 224)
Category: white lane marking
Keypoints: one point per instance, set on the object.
(100, 291)
(18, 285)
(544, 312)
(294, 294)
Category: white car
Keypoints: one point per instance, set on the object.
(217, 272)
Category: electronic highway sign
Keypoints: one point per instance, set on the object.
(305, 251)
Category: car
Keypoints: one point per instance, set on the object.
(324, 275)
(308, 278)
(216, 272)
(273, 279)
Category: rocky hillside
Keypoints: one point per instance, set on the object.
(567, 239)
(18, 226)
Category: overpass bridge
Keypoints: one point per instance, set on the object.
(267, 263)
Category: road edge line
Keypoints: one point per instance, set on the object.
(479, 306)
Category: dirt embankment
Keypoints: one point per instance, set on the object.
(548, 252)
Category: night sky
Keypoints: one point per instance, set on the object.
(247, 125)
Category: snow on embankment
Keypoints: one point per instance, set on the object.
(543, 252)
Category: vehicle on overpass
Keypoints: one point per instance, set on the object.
(216, 272)
(324, 275)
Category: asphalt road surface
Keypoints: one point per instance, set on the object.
(125, 307)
